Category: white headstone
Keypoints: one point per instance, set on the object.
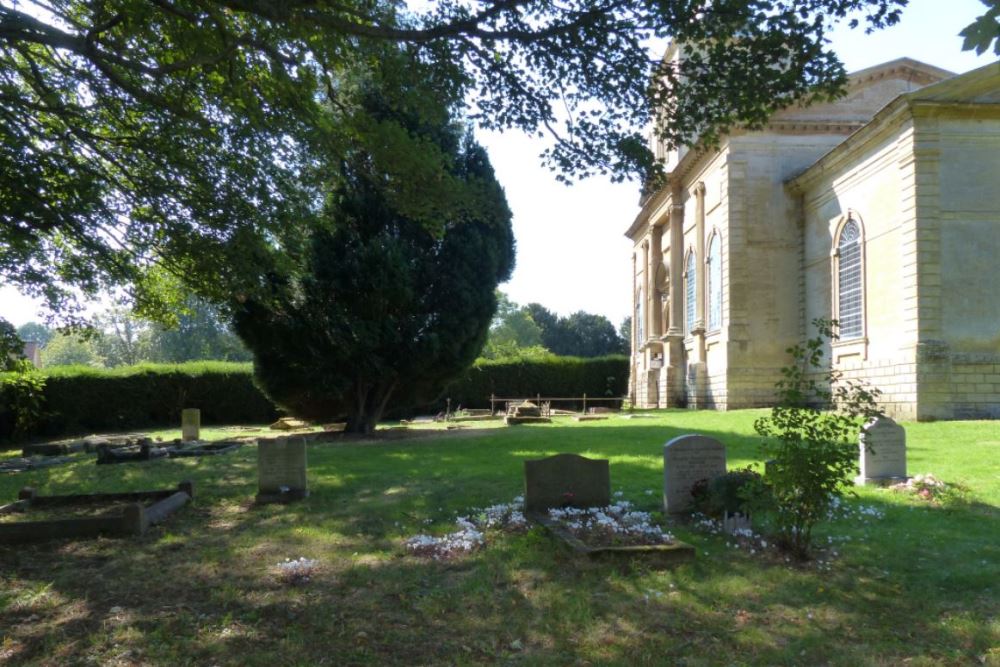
(190, 424)
(882, 456)
(281, 469)
(686, 460)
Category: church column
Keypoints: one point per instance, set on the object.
(697, 379)
(675, 395)
(647, 286)
(655, 257)
(634, 339)
(699, 221)
(676, 260)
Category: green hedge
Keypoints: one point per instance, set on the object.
(599, 377)
(79, 399)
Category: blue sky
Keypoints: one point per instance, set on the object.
(572, 254)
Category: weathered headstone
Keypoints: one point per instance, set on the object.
(190, 424)
(281, 470)
(882, 452)
(566, 480)
(686, 460)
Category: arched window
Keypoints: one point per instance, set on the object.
(714, 270)
(690, 292)
(850, 284)
(640, 332)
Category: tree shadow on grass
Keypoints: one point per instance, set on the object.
(203, 588)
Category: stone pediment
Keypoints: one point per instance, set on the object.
(868, 91)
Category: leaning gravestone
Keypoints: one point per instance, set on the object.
(281, 470)
(190, 424)
(566, 480)
(686, 460)
(882, 452)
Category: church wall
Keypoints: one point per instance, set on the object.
(873, 188)
(765, 259)
(960, 370)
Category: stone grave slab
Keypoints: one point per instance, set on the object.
(281, 470)
(190, 424)
(566, 480)
(882, 452)
(686, 460)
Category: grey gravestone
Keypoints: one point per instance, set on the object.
(281, 470)
(686, 460)
(882, 452)
(566, 480)
(190, 424)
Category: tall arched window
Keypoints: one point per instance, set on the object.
(714, 269)
(690, 292)
(850, 283)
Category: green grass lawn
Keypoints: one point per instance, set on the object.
(920, 586)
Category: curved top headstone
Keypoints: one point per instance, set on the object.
(566, 480)
(688, 459)
(883, 451)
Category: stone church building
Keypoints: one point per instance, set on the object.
(880, 210)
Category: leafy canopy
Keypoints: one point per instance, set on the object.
(190, 134)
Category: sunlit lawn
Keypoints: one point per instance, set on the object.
(919, 586)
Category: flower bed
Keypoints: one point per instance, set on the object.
(618, 524)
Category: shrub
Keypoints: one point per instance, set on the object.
(21, 402)
(811, 449)
(83, 399)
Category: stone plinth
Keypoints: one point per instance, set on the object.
(882, 452)
(566, 480)
(686, 460)
(281, 470)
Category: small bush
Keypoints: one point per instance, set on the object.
(810, 441)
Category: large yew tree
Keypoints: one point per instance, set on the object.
(383, 308)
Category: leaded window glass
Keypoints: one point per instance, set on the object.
(850, 301)
(714, 268)
(690, 290)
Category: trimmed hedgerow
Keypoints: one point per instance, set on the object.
(597, 377)
(84, 399)
(80, 399)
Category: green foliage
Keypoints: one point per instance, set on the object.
(984, 31)
(22, 402)
(382, 309)
(205, 130)
(730, 492)
(83, 399)
(811, 450)
(33, 331)
(71, 349)
(513, 332)
(11, 345)
(579, 335)
(599, 377)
